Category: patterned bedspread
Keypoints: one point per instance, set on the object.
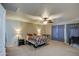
(38, 40)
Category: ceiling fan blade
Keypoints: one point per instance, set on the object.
(55, 16)
(50, 21)
(34, 17)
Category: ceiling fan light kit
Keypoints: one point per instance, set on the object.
(45, 22)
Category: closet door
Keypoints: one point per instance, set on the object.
(58, 32)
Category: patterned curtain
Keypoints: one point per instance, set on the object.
(72, 30)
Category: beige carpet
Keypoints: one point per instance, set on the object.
(54, 48)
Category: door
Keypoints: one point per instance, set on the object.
(58, 32)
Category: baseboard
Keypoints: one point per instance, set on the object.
(11, 46)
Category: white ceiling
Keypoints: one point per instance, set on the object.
(70, 10)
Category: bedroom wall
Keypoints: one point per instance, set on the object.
(47, 29)
(2, 31)
(12, 26)
(11, 31)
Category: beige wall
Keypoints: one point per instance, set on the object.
(11, 31)
(46, 29)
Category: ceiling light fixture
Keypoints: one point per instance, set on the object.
(45, 22)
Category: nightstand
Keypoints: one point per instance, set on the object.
(21, 42)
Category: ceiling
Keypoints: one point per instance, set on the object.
(70, 11)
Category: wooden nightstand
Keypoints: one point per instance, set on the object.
(21, 42)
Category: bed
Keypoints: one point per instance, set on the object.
(37, 40)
